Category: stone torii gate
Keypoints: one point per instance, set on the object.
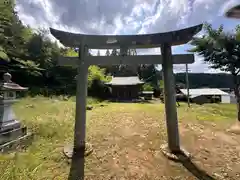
(124, 42)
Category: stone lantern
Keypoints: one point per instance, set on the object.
(11, 130)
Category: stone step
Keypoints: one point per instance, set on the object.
(16, 144)
(12, 135)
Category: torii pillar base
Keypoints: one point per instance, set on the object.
(85, 150)
(179, 156)
(234, 128)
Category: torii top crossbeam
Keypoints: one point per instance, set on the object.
(172, 38)
(233, 12)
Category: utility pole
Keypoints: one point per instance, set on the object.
(187, 84)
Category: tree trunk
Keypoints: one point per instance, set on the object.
(237, 95)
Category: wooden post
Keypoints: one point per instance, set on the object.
(81, 96)
(170, 99)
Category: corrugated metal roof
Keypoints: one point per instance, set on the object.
(131, 80)
(204, 91)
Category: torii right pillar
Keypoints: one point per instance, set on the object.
(170, 99)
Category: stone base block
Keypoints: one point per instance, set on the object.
(11, 135)
(68, 150)
(9, 125)
(180, 156)
(19, 143)
(235, 128)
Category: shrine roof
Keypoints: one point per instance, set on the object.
(177, 37)
(121, 81)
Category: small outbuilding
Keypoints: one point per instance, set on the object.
(147, 95)
(125, 88)
(207, 95)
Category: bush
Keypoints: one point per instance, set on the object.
(96, 82)
(147, 87)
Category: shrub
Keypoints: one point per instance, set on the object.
(147, 87)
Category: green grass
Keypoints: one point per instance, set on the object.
(114, 130)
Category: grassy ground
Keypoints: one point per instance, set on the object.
(126, 140)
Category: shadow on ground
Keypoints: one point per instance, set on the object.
(77, 166)
(194, 169)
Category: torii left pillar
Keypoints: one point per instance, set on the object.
(80, 148)
(80, 116)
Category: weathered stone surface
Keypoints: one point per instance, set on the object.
(7, 116)
(129, 60)
(8, 85)
(30, 106)
(177, 37)
(16, 144)
(9, 125)
(68, 150)
(12, 135)
(89, 107)
(180, 156)
(8, 136)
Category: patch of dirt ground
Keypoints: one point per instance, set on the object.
(214, 150)
(127, 142)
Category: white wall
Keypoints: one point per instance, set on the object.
(225, 99)
(233, 99)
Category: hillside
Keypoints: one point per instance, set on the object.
(197, 80)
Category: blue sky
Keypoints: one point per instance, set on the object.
(229, 25)
(128, 17)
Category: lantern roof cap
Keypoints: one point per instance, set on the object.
(8, 85)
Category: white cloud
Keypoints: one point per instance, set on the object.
(229, 4)
(122, 16)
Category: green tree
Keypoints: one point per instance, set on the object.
(13, 37)
(221, 51)
(161, 84)
(147, 87)
(150, 74)
(3, 55)
(96, 73)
